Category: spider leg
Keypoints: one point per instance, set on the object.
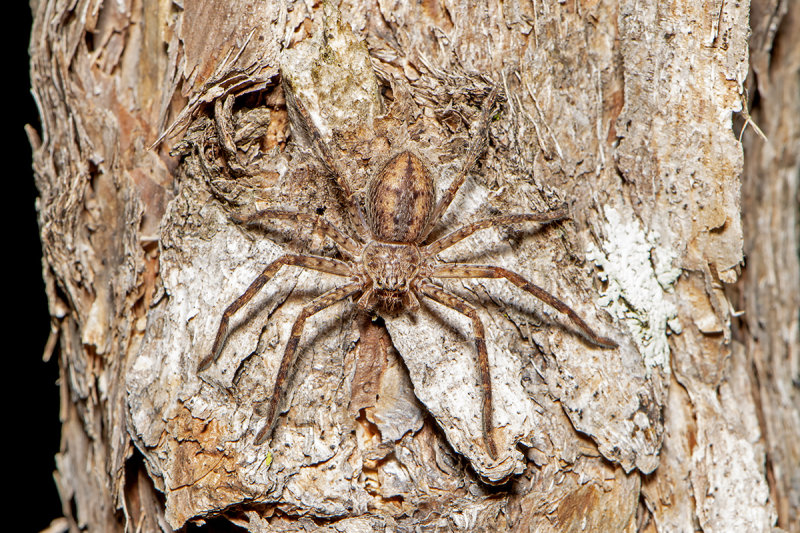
(462, 233)
(352, 202)
(479, 271)
(345, 243)
(439, 295)
(323, 264)
(475, 150)
(318, 304)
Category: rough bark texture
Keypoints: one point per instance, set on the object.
(161, 120)
(769, 292)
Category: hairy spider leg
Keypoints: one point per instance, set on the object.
(347, 245)
(483, 271)
(462, 233)
(352, 200)
(475, 150)
(441, 296)
(318, 304)
(323, 264)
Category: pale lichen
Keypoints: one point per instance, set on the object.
(637, 282)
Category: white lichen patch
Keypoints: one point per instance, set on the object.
(637, 283)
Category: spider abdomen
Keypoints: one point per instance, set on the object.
(400, 199)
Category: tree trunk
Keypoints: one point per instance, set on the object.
(162, 121)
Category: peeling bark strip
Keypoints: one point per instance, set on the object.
(623, 110)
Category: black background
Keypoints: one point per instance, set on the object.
(31, 440)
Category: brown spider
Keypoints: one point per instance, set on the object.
(389, 265)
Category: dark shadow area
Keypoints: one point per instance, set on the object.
(36, 430)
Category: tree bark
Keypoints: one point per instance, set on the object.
(673, 140)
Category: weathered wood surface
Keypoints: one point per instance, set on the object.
(160, 120)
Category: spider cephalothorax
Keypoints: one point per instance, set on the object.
(389, 266)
